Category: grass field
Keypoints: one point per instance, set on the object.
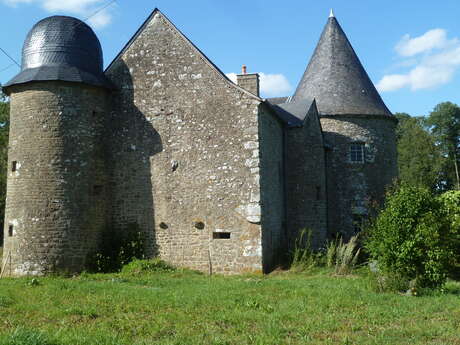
(184, 307)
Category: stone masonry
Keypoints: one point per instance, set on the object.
(215, 177)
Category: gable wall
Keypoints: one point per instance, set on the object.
(182, 154)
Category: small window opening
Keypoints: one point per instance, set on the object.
(220, 235)
(318, 192)
(357, 152)
(163, 225)
(94, 113)
(10, 230)
(97, 189)
(14, 166)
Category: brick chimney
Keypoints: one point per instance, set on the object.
(248, 81)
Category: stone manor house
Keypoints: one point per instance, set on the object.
(216, 178)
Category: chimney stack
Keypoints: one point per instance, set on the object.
(249, 82)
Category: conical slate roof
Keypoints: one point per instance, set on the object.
(336, 78)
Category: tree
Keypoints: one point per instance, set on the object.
(444, 122)
(419, 159)
(4, 129)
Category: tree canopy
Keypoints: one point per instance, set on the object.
(419, 159)
(444, 124)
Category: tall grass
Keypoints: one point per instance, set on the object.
(303, 257)
(343, 256)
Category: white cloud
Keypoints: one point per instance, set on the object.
(231, 76)
(274, 85)
(437, 66)
(82, 8)
(270, 84)
(431, 39)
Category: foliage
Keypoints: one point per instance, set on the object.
(451, 207)
(410, 237)
(143, 266)
(444, 122)
(419, 159)
(303, 258)
(117, 249)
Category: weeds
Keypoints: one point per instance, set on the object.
(346, 255)
(303, 257)
(340, 255)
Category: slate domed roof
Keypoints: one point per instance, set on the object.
(61, 48)
(336, 79)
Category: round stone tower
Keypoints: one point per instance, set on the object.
(55, 207)
(358, 129)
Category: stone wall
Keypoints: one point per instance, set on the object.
(55, 205)
(306, 181)
(354, 188)
(184, 154)
(271, 195)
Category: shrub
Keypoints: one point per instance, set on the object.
(410, 238)
(117, 249)
(142, 266)
(451, 205)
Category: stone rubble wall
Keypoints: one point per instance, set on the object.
(184, 157)
(53, 208)
(356, 188)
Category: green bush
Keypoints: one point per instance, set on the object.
(143, 266)
(451, 205)
(410, 238)
(116, 249)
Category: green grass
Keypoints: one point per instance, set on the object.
(184, 307)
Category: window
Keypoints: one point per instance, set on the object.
(14, 166)
(357, 153)
(220, 235)
(10, 230)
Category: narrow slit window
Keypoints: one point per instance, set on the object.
(10, 230)
(357, 152)
(318, 192)
(220, 235)
(14, 166)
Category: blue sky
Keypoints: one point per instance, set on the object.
(410, 49)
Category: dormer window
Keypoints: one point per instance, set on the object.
(357, 153)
